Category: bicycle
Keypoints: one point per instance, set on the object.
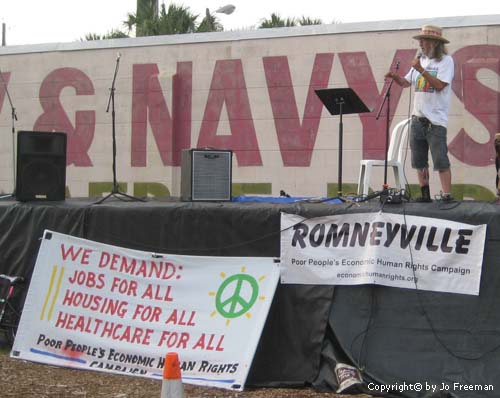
(9, 312)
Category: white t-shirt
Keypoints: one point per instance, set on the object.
(428, 102)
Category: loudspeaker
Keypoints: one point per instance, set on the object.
(41, 166)
(206, 175)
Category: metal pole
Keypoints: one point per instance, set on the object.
(4, 29)
(341, 133)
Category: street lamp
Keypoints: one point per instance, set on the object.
(227, 9)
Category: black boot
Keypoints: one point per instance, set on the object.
(426, 195)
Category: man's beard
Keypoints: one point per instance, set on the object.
(431, 53)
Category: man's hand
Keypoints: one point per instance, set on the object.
(417, 65)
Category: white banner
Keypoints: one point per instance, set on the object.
(101, 307)
(386, 249)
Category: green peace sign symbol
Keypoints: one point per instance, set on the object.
(235, 304)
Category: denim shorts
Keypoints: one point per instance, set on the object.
(424, 136)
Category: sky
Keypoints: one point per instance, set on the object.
(52, 21)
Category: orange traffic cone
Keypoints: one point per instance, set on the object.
(171, 386)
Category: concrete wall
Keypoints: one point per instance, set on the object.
(252, 92)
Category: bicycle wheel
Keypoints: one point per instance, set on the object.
(8, 324)
(11, 336)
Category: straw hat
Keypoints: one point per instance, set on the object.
(431, 32)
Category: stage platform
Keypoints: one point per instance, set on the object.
(395, 335)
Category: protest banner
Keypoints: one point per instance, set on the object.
(382, 248)
(112, 309)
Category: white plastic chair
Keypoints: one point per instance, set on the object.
(395, 155)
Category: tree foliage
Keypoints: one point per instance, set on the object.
(148, 20)
(145, 19)
(275, 21)
(177, 19)
(174, 20)
(304, 21)
(113, 34)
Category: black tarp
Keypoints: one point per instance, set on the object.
(393, 335)
(408, 336)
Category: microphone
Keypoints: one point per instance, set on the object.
(419, 57)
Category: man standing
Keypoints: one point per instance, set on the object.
(431, 75)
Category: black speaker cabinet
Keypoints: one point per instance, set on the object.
(206, 175)
(41, 166)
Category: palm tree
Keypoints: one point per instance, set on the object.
(147, 13)
(277, 22)
(144, 19)
(178, 19)
(174, 20)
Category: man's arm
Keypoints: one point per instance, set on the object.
(401, 81)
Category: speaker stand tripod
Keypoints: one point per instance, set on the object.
(13, 118)
(385, 195)
(115, 190)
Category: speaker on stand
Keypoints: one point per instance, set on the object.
(41, 166)
(206, 175)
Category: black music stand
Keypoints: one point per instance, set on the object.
(341, 101)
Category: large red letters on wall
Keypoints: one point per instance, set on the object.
(296, 138)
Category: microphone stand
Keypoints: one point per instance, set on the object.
(14, 119)
(387, 97)
(115, 191)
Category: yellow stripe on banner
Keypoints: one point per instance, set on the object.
(54, 298)
(49, 292)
